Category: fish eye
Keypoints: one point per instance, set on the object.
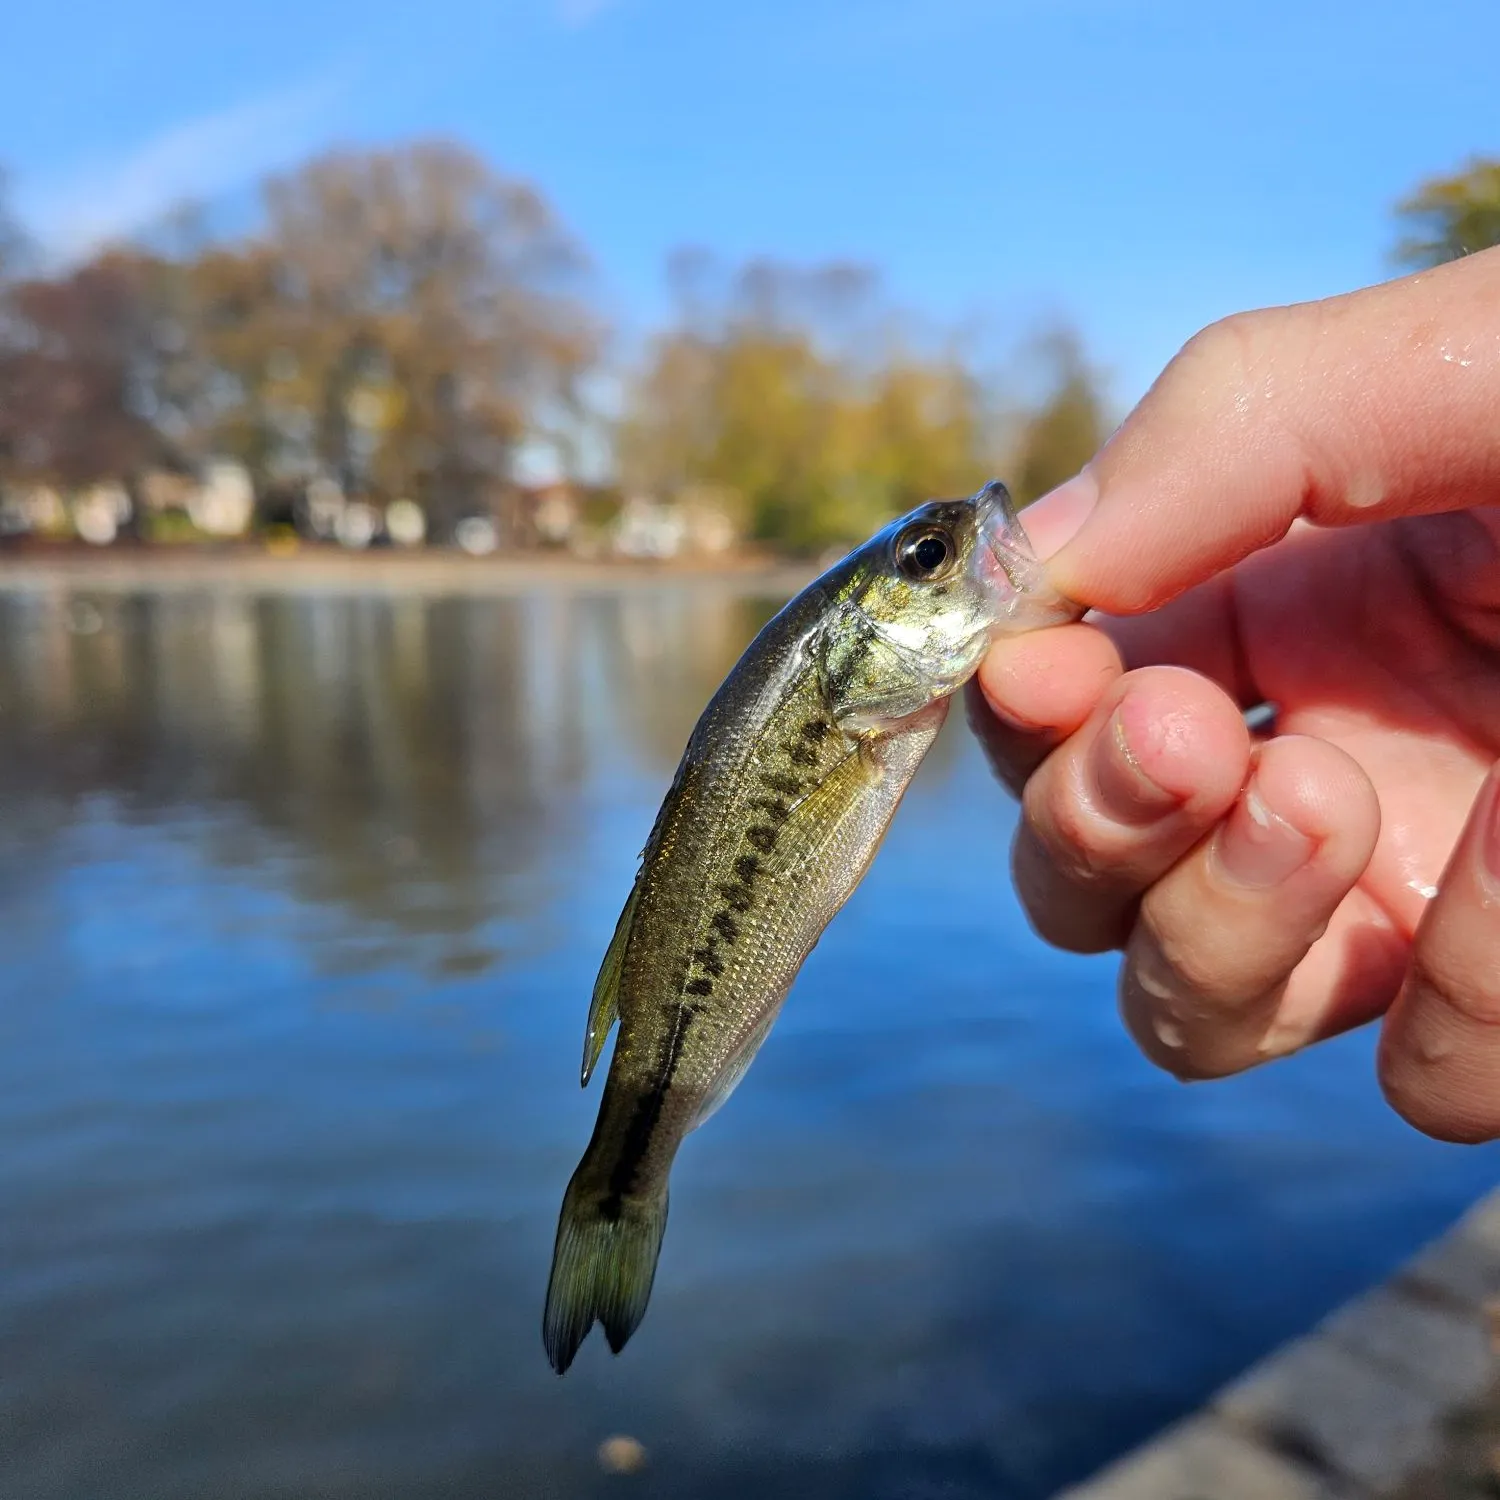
(925, 553)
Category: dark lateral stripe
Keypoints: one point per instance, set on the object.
(774, 808)
(643, 1121)
(783, 786)
(736, 897)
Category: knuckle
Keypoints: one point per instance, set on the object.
(1182, 964)
(1226, 367)
(1423, 1108)
(1011, 760)
(1073, 932)
(1459, 978)
(1068, 830)
(1396, 1087)
(1436, 1066)
(1235, 345)
(1054, 908)
(1163, 1027)
(1189, 1067)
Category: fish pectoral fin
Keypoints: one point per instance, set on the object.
(817, 816)
(604, 1007)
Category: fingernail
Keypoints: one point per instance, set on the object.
(1258, 848)
(1121, 789)
(1490, 841)
(1056, 518)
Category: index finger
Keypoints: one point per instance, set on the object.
(1360, 408)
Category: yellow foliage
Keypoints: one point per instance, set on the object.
(1448, 217)
(821, 449)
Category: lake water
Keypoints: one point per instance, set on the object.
(301, 902)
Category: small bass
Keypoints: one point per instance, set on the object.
(784, 793)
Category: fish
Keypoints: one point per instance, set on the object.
(783, 795)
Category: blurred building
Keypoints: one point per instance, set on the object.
(101, 512)
(647, 528)
(710, 521)
(700, 520)
(554, 514)
(32, 510)
(223, 503)
(406, 523)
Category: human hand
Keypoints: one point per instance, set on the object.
(1302, 510)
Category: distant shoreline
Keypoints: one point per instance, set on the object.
(181, 570)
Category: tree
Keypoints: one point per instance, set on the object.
(405, 318)
(1448, 217)
(401, 321)
(75, 399)
(788, 387)
(1066, 428)
(15, 247)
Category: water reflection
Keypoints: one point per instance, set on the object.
(379, 743)
(302, 899)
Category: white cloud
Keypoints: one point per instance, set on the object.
(119, 194)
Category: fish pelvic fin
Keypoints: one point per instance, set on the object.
(603, 1266)
(604, 1008)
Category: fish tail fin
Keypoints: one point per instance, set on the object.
(602, 1269)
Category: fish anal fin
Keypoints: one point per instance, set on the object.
(604, 1007)
(731, 1074)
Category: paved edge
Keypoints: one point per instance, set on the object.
(1352, 1409)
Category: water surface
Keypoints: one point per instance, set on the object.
(301, 902)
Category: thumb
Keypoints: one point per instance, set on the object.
(1377, 404)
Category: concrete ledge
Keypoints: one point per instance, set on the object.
(1353, 1409)
(1206, 1458)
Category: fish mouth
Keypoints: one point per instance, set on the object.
(1010, 570)
(1000, 525)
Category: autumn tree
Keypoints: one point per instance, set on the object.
(791, 389)
(1065, 426)
(1448, 217)
(76, 375)
(403, 320)
(14, 244)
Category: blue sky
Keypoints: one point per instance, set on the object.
(1142, 166)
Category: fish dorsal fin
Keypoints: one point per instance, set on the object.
(604, 1008)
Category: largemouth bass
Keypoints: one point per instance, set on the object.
(784, 793)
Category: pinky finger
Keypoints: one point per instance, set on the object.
(1440, 1046)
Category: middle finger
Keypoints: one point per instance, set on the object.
(1119, 802)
